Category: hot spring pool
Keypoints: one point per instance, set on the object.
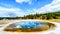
(29, 26)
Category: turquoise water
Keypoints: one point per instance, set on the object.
(28, 24)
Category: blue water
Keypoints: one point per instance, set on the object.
(29, 24)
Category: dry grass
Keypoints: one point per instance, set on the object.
(7, 21)
(52, 20)
(2, 22)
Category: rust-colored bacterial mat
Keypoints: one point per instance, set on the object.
(29, 26)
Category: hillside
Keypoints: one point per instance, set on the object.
(46, 16)
(51, 15)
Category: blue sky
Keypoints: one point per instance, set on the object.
(24, 5)
(13, 8)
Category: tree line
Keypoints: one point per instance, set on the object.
(51, 15)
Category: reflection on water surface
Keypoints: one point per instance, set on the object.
(29, 26)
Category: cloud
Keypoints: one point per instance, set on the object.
(54, 6)
(26, 1)
(10, 12)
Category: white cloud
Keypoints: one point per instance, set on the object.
(8, 9)
(10, 12)
(54, 6)
(30, 11)
(21, 1)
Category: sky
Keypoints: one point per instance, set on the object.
(14, 8)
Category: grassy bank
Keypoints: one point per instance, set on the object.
(52, 20)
